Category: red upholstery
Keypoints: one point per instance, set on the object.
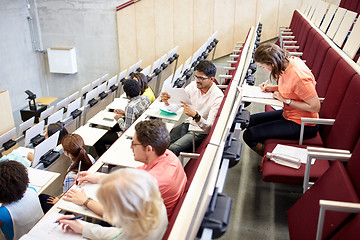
(320, 51)
(326, 72)
(350, 231)
(334, 184)
(342, 135)
(338, 183)
(307, 54)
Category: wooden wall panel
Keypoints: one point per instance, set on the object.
(245, 17)
(164, 27)
(224, 16)
(203, 22)
(184, 28)
(126, 24)
(269, 10)
(286, 10)
(145, 25)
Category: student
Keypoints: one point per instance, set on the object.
(132, 203)
(20, 208)
(145, 90)
(206, 98)
(295, 88)
(149, 146)
(136, 106)
(73, 146)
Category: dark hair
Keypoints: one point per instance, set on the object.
(206, 67)
(273, 55)
(142, 80)
(74, 144)
(131, 88)
(54, 127)
(13, 181)
(153, 133)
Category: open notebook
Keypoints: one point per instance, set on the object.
(48, 229)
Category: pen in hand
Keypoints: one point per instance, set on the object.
(73, 218)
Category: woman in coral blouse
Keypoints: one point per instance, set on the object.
(295, 88)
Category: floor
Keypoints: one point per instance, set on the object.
(258, 208)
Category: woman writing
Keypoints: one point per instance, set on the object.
(73, 146)
(295, 88)
(132, 204)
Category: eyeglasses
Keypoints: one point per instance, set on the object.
(134, 144)
(200, 78)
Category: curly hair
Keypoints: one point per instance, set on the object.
(13, 181)
(273, 55)
(153, 133)
(131, 200)
(131, 88)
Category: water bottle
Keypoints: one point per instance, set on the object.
(285, 160)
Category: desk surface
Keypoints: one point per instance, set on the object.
(104, 118)
(154, 111)
(118, 103)
(90, 134)
(41, 179)
(46, 100)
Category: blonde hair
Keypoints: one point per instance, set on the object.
(131, 200)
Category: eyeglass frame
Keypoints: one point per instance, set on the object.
(134, 144)
(200, 78)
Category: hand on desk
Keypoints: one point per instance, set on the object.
(86, 176)
(189, 111)
(30, 156)
(77, 197)
(73, 225)
(118, 116)
(119, 111)
(277, 95)
(165, 97)
(53, 200)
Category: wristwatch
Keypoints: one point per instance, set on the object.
(288, 101)
(197, 117)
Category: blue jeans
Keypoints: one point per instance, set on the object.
(272, 125)
(181, 140)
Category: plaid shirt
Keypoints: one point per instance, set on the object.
(133, 110)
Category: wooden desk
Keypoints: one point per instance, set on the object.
(104, 118)
(90, 134)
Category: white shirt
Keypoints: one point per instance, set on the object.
(207, 105)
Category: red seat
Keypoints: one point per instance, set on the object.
(320, 51)
(342, 135)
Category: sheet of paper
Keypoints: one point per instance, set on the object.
(255, 92)
(48, 229)
(38, 178)
(300, 153)
(178, 95)
(90, 190)
(23, 151)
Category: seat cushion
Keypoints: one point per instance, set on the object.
(335, 185)
(273, 172)
(315, 141)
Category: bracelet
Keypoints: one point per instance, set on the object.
(87, 201)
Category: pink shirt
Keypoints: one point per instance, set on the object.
(170, 176)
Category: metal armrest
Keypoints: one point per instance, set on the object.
(287, 37)
(321, 99)
(231, 61)
(289, 42)
(234, 55)
(291, 47)
(183, 155)
(236, 51)
(229, 68)
(333, 154)
(285, 33)
(297, 54)
(239, 43)
(222, 86)
(323, 121)
(225, 76)
(326, 205)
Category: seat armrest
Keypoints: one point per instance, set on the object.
(335, 154)
(234, 55)
(229, 68)
(225, 76)
(183, 155)
(323, 121)
(321, 99)
(297, 54)
(327, 150)
(291, 47)
(328, 205)
(222, 86)
(289, 42)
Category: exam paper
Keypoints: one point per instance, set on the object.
(178, 95)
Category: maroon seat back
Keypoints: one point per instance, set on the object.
(309, 42)
(319, 51)
(350, 231)
(304, 31)
(346, 129)
(326, 72)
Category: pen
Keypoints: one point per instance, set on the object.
(266, 82)
(79, 169)
(73, 218)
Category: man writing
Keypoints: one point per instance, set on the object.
(149, 145)
(206, 98)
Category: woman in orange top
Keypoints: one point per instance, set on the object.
(295, 88)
